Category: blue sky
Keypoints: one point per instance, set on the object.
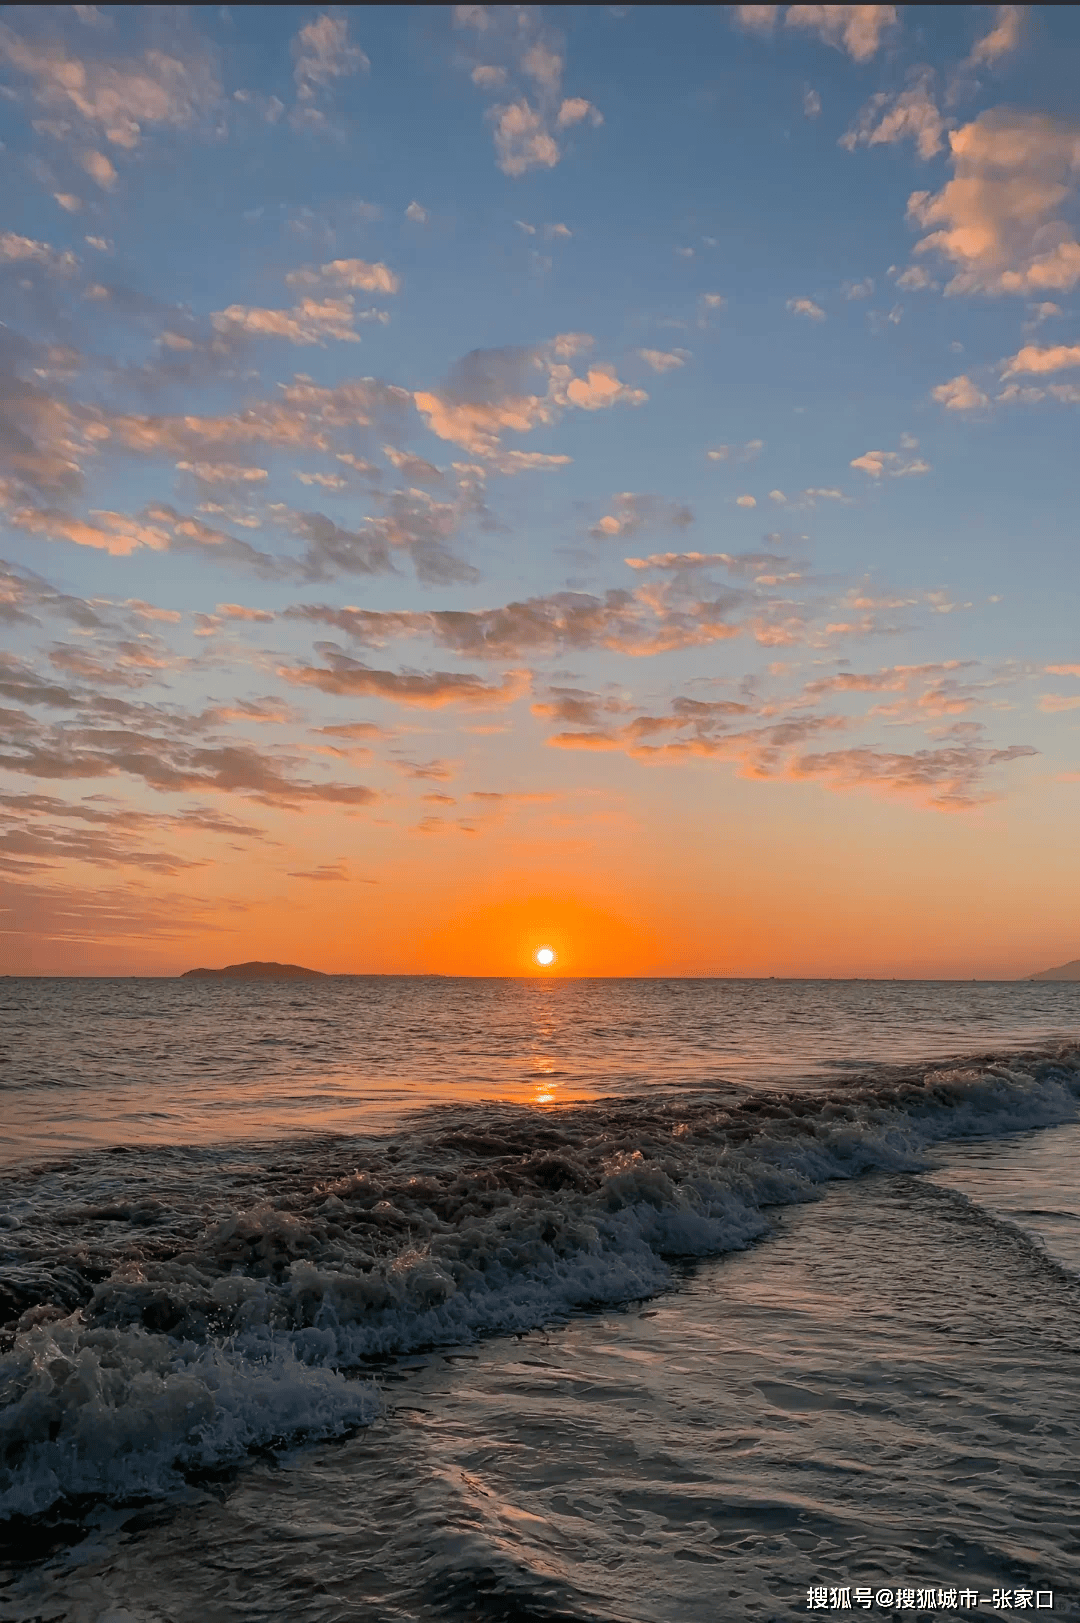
(453, 454)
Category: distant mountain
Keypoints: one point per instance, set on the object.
(1064, 972)
(255, 971)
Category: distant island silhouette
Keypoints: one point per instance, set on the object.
(1063, 972)
(255, 971)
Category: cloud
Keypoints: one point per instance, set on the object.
(327, 872)
(522, 141)
(312, 321)
(574, 109)
(950, 779)
(116, 533)
(1002, 39)
(914, 278)
(960, 394)
(635, 512)
(857, 30)
(525, 128)
(415, 526)
(416, 213)
(746, 565)
(811, 105)
(809, 497)
(301, 417)
(99, 168)
(223, 473)
(1056, 702)
(348, 677)
(488, 77)
(664, 360)
(1056, 358)
(910, 114)
(355, 273)
(893, 463)
(745, 501)
(115, 99)
(806, 307)
(17, 250)
(651, 620)
(153, 746)
(998, 219)
(736, 453)
(1063, 670)
(237, 611)
(492, 391)
(322, 52)
(758, 19)
(40, 832)
(18, 681)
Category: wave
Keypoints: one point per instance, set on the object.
(155, 1335)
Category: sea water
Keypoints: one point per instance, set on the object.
(413, 1299)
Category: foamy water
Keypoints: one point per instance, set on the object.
(856, 1277)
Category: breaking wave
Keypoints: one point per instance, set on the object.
(156, 1332)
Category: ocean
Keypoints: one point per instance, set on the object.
(392, 1300)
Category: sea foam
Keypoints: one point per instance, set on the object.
(164, 1334)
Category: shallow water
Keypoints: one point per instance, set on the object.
(669, 1352)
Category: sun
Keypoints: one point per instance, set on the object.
(544, 956)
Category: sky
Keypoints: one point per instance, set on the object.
(482, 477)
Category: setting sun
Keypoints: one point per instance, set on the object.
(544, 956)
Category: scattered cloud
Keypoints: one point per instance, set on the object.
(736, 453)
(745, 501)
(895, 464)
(915, 278)
(949, 779)
(910, 114)
(326, 873)
(115, 99)
(1031, 359)
(960, 394)
(312, 321)
(653, 619)
(811, 105)
(322, 52)
(17, 250)
(806, 307)
(493, 391)
(631, 513)
(353, 273)
(433, 690)
(999, 220)
(664, 360)
(1002, 39)
(526, 129)
(858, 30)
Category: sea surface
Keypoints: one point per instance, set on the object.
(395, 1300)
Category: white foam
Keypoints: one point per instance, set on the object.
(439, 1239)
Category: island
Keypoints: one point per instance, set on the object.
(1064, 972)
(255, 971)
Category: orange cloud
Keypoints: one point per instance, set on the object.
(433, 690)
(998, 219)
